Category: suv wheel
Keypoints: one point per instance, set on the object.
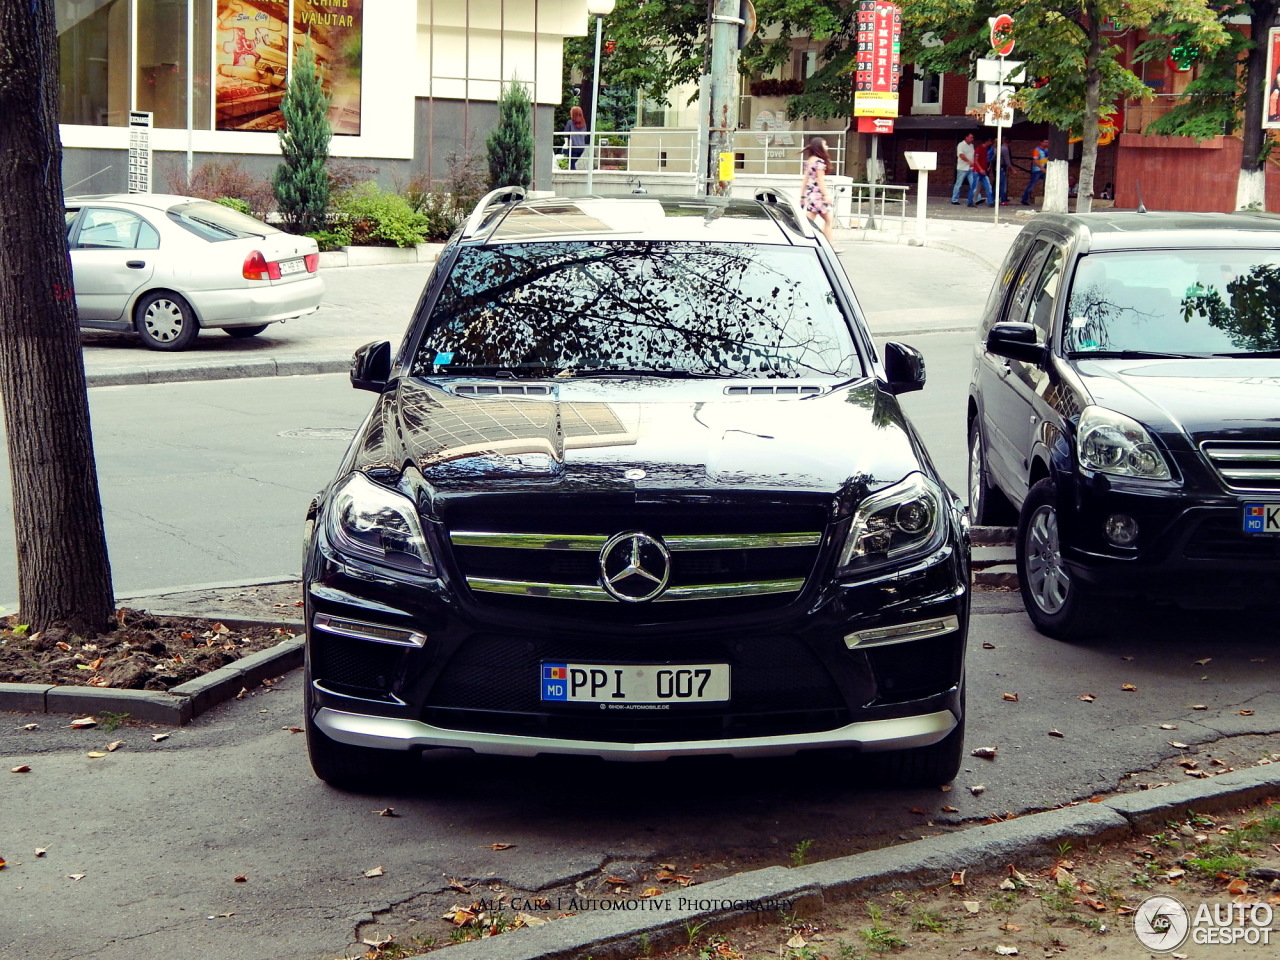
(360, 769)
(1059, 606)
(930, 766)
(988, 507)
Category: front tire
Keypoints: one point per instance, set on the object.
(988, 507)
(357, 769)
(1059, 605)
(242, 333)
(166, 321)
(930, 766)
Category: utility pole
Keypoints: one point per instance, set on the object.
(722, 109)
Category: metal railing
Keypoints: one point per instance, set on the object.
(671, 150)
(874, 205)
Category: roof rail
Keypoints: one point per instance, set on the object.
(503, 195)
(785, 207)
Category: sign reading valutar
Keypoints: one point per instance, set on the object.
(252, 46)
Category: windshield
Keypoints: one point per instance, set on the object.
(579, 308)
(1180, 302)
(214, 221)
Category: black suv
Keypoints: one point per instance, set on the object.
(636, 486)
(1126, 397)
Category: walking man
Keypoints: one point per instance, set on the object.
(1039, 161)
(978, 178)
(1006, 168)
(964, 165)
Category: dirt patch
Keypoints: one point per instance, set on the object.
(143, 652)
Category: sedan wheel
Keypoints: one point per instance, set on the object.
(166, 321)
(1057, 604)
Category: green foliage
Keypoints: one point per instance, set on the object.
(235, 203)
(511, 142)
(218, 180)
(369, 215)
(301, 181)
(111, 721)
(339, 236)
(800, 853)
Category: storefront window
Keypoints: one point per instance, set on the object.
(162, 62)
(93, 51)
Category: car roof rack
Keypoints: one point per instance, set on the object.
(785, 208)
(503, 196)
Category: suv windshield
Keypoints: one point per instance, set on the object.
(670, 309)
(1181, 302)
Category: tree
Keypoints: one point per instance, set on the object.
(511, 142)
(63, 571)
(1229, 95)
(301, 181)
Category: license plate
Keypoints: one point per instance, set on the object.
(635, 683)
(1262, 518)
(292, 266)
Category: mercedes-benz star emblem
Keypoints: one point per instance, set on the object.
(634, 567)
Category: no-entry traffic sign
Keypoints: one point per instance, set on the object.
(1002, 34)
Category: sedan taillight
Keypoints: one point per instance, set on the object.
(313, 262)
(257, 268)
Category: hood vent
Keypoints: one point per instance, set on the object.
(766, 390)
(501, 390)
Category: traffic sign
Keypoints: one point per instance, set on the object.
(1002, 34)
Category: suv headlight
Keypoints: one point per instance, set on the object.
(898, 523)
(1110, 442)
(369, 521)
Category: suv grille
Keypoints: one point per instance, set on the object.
(1246, 466)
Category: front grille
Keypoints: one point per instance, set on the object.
(1222, 538)
(1246, 466)
(357, 666)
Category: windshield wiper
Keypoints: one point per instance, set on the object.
(642, 372)
(1136, 355)
(1250, 353)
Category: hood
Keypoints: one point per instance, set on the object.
(1237, 398)
(635, 437)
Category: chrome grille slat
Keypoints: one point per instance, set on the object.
(592, 542)
(575, 591)
(1245, 466)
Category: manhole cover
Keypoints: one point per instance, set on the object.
(318, 433)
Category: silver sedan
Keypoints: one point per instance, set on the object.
(168, 266)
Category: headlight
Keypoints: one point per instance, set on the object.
(1110, 442)
(897, 523)
(369, 521)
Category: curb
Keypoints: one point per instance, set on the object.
(749, 897)
(239, 370)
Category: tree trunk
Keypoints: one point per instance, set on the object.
(63, 572)
(1056, 179)
(1252, 185)
(1089, 125)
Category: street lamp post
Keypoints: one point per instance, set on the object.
(598, 9)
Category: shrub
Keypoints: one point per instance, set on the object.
(511, 142)
(334, 239)
(219, 179)
(377, 217)
(235, 203)
(301, 181)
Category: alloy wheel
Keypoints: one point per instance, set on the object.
(1048, 580)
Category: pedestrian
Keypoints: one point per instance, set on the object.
(813, 190)
(1006, 168)
(978, 178)
(964, 165)
(1039, 162)
(577, 141)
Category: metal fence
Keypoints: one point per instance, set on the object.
(670, 150)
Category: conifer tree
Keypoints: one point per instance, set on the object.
(301, 182)
(511, 142)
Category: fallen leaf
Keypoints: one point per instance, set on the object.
(1094, 903)
(456, 884)
(1016, 874)
(1198, 774)
(1012, 697)
(387, 812)
(987, 753)
(114, 745)
(239, 878)
(797, 942)
(1168, 726)
(22, 769)
(957, 878)
(529, 920)
(219, 916)
(1004, 951)
(31, 726)
(1061, 874)
(1188, 763)
(98, 681)
(913, 810)
(292, 729)
(95, 664)
(1096, 799)
(1087, 697)
(973, 906)
(1199, 706)
(76, 876)
(1201, 663)
(1128, 688)
(978, 789)
(1010, 928)
(220, 628)
(668, 866)
(157, 737)
(1246, 713)
(499, 846)
(375, 872)
(244, 692)
(945, 788)
(63, 645)
(1084, 886)
(1057, 733)
(1175, 874)
(1179, 744)
(1237, 887)
(2, 862)
(650, 892)
(378, 943)
(987, 645)
(1007, 884)
(41, 851)
(459, 915)
(95, 754)
(1216, 762)
(82, 723)
(1124, 909)
(950, 809)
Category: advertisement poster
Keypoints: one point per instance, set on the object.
(1271, 109)
(252, 45)
(878, 62)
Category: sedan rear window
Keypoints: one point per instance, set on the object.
(1184, 302)
(214, 222)
(582, 308)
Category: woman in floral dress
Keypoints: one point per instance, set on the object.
(813, 193)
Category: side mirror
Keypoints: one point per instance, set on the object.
(371, 366)
(905, 367)
(1016, 341)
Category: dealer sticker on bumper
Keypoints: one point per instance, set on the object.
(635, 683)
(1262, 518)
